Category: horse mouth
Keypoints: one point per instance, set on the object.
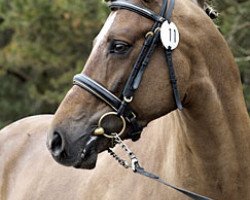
(87, 157)
(87, 160)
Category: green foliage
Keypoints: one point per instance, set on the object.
(234, 22)
(42, 45)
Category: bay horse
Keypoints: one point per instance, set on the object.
(203, 147)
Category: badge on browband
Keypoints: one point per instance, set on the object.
(169, 35)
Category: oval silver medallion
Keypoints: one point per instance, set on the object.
(169, 35)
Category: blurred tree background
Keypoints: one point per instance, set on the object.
(44, 43)
(234, 23)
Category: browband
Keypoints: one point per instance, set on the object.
(137, 9)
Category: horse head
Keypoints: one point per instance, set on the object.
(74, 138)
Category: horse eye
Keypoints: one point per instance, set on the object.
(119, 47)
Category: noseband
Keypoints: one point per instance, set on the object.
(162, 29)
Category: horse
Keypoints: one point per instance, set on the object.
(203, 146)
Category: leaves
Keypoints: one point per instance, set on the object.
(234, 23)
(42, 45)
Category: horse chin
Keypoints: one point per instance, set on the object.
(88, 162)
(87, 157)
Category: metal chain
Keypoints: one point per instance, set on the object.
(122, 162)
(130, 154)
(134, 164)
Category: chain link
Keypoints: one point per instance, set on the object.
(131, 155)
(134, 164)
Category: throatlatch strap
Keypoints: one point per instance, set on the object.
(173, 79)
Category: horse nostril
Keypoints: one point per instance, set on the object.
(57, 145)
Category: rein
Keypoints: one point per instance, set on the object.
(166, 31)
(135, 166)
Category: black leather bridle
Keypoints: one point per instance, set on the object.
(121, 105)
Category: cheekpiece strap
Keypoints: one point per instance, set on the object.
(148, 47)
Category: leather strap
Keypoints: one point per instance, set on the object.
(170, 10)
(98, 90)
(188, 193)
(135, 166)
(173, 79)
(137, 9)
(140, 65)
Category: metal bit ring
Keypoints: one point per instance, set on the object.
(123, 124)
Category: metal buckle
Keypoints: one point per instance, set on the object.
(130, 119)
(128, 99)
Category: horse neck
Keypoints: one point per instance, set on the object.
(212, 133)
(217, 114)
(215, 110)
(219, 125)
(213, 142)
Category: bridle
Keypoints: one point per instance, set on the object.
(121, 105)
(162, 27)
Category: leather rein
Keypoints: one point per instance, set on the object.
(162, 25)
